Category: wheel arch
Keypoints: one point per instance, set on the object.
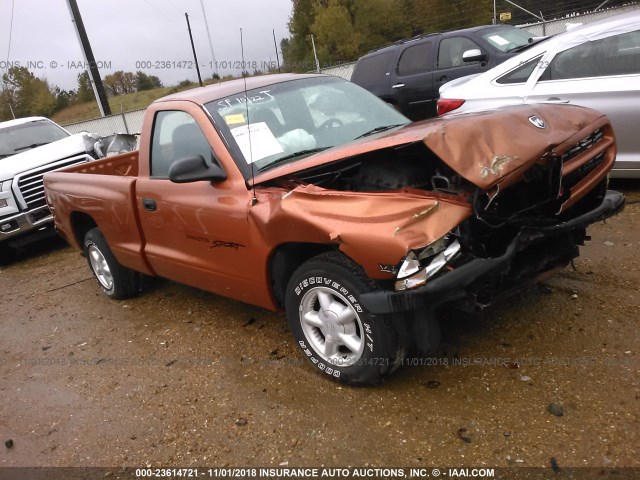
(81, 223)
(285, 259)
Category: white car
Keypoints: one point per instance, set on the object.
(595, 65)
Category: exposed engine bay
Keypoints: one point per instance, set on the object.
(395, 168)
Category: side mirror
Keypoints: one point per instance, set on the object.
(474, 55)
(194, 169)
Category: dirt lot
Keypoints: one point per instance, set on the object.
(179, 377)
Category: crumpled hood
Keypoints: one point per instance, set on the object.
(482, 147)
(488, 146)
(39, 156)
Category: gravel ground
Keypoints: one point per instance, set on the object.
(180, 377)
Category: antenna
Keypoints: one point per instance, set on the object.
(254, 200)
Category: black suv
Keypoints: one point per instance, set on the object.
(409, 73)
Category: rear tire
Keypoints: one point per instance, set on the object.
(333, 330)
(116, 281)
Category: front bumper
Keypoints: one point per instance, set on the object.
(24, 223)
(452, 284)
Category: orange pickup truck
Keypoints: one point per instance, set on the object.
(307, 194)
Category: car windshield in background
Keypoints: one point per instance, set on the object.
(507, 39)
(288, 121)
(25, 136)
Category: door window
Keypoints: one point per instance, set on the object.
(372, 69)
(176, 135)
(616, 55)
(415, 59)
(451, 50)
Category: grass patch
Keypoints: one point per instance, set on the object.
(121, 103)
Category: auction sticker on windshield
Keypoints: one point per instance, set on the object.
(256, 141)
(499, 40)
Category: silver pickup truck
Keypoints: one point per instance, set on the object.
(30, 147)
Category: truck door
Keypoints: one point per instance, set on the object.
(413, 89)
(195, 233)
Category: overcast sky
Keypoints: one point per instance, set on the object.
(133, 35)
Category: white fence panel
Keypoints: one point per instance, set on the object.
(345, 70)
(129, 122)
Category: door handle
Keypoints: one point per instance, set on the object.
(557, 100)
(149, 204)
(398, 85)
(443, 79)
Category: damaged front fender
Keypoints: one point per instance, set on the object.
(376, 230)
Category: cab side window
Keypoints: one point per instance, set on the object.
(451, 50)
(176, 135)
(416, 59)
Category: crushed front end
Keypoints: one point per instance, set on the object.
(529, 217)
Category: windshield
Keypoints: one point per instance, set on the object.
(290, 120)
(25, 136)
(506, 39)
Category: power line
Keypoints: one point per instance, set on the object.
(162, 14)
(4, 83)
(13, 2)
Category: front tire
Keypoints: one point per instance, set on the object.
(116, 281)
(333, 330)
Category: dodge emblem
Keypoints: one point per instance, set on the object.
(537, 122)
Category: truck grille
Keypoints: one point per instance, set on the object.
(581, 172)
(585, 144)
(564, 186)
(31, 184)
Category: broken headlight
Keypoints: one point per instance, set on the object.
(419, 267)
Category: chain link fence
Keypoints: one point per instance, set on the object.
(559, 25)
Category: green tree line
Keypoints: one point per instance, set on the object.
(23, 94)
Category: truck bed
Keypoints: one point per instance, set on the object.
(125, 165)
(104, 194)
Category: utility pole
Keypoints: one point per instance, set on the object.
(276, 47)
(89, 59)
(193, 47)
(315, 55)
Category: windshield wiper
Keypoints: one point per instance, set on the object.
(281, 160)
(378, 129)
(31, 146)
(532, 42)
